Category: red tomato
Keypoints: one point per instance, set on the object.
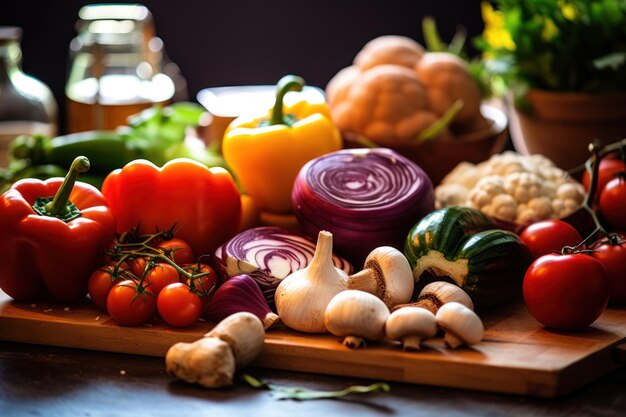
(205, 285)
(129, 305)
(608, 167)
(613, 257)
(566, 292)
(179, 306)
(177, 250)
(613, 203)
(138, 266)
(549, 236)
(160, 276)
(100, 283)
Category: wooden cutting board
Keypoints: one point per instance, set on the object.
(517, 355)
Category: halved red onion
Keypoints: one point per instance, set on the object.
(269, 254)
(240, 293)
(365, 197)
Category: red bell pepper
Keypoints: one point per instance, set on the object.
(52, 236)
(202, 203)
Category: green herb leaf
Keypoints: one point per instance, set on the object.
(612, 61)
(303, 394)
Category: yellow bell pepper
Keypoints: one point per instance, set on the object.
(266, 153)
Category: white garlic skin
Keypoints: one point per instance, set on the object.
(356, 313)
(301, 297)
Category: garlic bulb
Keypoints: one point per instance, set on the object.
(411, 325)
(356, 315)
(462, 325)
(301, 297)
(438, 293)
(386, 274)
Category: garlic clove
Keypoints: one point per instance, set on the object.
(356, 316)
(387, 275)
(461, 325)
(245, 335)
(302, 297)
(411, 325)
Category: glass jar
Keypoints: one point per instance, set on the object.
(27, 105)
(113, 71)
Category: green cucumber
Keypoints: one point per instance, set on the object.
(462, 245)
(105, 150)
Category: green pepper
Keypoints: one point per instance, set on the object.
(464, 245)
(107, 150)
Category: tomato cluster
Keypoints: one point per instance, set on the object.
(146, 275)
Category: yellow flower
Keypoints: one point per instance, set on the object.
(569, 11)
(550, 31)
(495, 33)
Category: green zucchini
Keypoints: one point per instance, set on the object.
(105, 150)
(462, 245)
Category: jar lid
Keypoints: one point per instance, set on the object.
(10, 33)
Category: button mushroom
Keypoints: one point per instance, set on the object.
(438, 293)
(386, 274)
(411, 325)
(461, 325)
(356, 316)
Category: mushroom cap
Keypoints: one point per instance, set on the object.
(460, 321)
(356, 313)
(411, 321)
(442, 292)
(393, 274)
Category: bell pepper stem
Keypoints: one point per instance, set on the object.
(286, 84)
(58, 205)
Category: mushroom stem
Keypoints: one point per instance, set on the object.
(270, 319)
(364, 280)
(353, 342)
(412, 343)
(452, 340)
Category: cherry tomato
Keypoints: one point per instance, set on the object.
(613, 257)
(549, 236)
(566, 292)
(177, 250)
(608, 168)
(129, 305)
(205, 285)
(613, 203)
(159, 276)
(100, 283)
(138, 266)
(179, 306)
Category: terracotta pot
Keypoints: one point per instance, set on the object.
(440, 156)
(560, 125)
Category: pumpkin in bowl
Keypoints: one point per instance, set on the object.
(399, 96)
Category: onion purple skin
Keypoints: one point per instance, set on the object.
(268, 254)
(240, 293)
(365, 197)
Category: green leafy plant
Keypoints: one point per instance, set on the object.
(558, 45)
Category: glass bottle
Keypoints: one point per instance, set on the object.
(27, 105)
(113, 71)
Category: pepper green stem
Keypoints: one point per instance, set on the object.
(59, 205)
(286, 84)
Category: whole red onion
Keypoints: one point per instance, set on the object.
(365, 197)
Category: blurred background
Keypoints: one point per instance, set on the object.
(220, 43)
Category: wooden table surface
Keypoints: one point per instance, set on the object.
(50, 381)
